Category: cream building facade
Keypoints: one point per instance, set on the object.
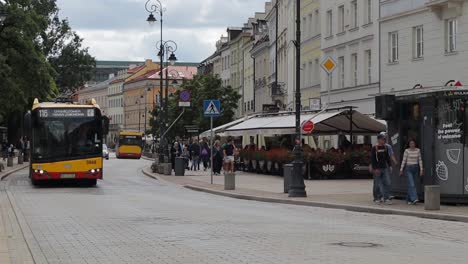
(350, 35)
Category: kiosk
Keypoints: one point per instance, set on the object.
(438, 120)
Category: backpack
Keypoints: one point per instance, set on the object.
(204, 152)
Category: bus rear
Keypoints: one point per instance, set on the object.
(129, 145)
(66, 142)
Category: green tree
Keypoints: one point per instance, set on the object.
(202, 87)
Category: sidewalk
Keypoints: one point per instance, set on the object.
(353, 195)
(9, 232)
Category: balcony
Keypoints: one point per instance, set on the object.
(437, 6)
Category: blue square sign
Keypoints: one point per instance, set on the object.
(212, 108)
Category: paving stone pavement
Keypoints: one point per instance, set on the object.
(130, 218)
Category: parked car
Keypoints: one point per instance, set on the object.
(105, 151)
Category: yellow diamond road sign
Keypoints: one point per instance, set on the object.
(329, 65)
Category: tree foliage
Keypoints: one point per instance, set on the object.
(40, 55)
(202, 87)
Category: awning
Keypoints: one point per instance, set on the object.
(219, 130)
(327, 123)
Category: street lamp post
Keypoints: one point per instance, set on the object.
(297, 186)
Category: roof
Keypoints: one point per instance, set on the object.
(175, 72)
(326, 123)
(126, 64)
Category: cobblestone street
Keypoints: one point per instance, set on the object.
(130, 218)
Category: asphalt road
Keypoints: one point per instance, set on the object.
(130, 218)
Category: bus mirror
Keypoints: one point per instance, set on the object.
(27, 122)
(105, 125)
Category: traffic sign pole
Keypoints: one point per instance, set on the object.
(211, 147)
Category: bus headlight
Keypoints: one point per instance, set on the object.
(41, 172)
(93, 171)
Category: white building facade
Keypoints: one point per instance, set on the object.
(423, 43)
(350, 35)
(116, 104)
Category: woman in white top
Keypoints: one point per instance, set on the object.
(411, 166)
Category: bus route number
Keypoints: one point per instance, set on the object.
(43, 113)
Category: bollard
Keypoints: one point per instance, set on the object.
(2, 167)
(229, 181)
(432, 197)
(20, 158)
(167, 169)
(10, 162)
(287, 174)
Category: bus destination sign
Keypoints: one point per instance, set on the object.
(66, 113)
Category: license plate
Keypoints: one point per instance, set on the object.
(67, 176)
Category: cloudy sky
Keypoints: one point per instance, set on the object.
(117, 29)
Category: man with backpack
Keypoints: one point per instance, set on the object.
(381, 166)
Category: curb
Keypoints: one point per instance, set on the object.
(150, 175)
(13, 171)
(352, 208)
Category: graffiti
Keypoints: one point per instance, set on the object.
(453, 155)
(442, 171)
(457, 104)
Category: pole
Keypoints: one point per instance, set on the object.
(276, 48)
(329, 88)
(161, 119)
(211, 147)
(297, 186)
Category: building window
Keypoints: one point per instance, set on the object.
(451, 35)
(418, 39)
(310, 32)
(354, 68)
(329, 23)
(341, 71)
(354, 14)
(393, 47)
(317, 71)
(341, 19)
(369, 66)
(317, 22)
(368, 11)
(310, 75)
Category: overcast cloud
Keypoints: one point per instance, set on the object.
(117, 29)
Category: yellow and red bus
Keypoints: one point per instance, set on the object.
(129, 145)
(66, 141)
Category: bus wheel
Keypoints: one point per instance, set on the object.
(91, 183)
(34, 182)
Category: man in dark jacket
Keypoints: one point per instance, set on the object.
(381, 163)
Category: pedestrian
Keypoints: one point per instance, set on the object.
(376, 189)
(381, 163)
(412, 167)
(228, 154)
(4, 150)
(217, 157)
(195, 154)
(186, 156)
(11, 151)
(205, 154)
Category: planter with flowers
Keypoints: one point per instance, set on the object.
(329, 163)
(245, 156)
(358, 160)
(260, 157)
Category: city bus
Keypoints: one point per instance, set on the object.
(129, 145)
(66, 141)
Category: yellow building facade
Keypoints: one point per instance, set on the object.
(311, 54)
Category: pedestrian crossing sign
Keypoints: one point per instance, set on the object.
(212, 108)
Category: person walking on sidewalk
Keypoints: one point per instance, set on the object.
(228, 154)
(412, 166)
(217, 158)
(195, 154)
(381, 163)
(204, 154)
(376, 189)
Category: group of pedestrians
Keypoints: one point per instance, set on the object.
(200, 153)
(8, 149)
(383, 160)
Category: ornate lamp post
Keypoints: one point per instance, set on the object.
(297, 187)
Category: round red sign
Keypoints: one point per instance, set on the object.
(308, 127)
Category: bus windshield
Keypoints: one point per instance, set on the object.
(65, 138)
(130, 140)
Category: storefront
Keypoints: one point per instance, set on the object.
(437, 119)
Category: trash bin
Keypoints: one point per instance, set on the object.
(287, 172)
(180, 165)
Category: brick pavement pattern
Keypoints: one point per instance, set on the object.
(130, 218)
